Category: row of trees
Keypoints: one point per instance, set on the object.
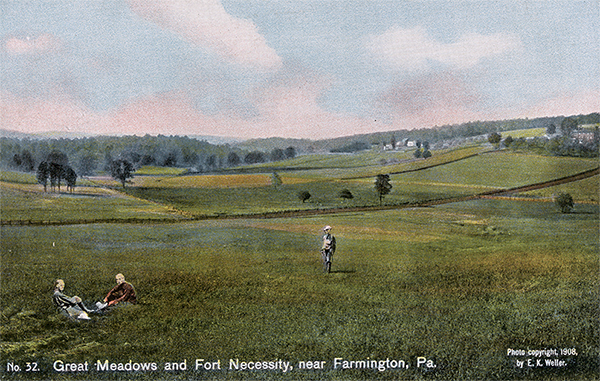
(479, 128)
(562, 145)
(343, 194)
(422, 150)
(255, 157)
(89, 155)
(383, 186)
(56, 173)
(55, 168)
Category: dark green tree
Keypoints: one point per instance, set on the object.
(426, 154)
(564, 201)
(87, 165)
(303, 196)
(121, 170)
(233, 159)
(254, 157)
(346, 194)
(57, 163)
(70, 177)
(27, 162)
(147, 159)
(567, 126)
(211, 162)
(42, 174)
(277, 154)
(551, 129)
(494, 138)
(170, 160)
(382, 186)
(508, 141)
(56, 174)
(16, 162)
(290, 152)
(57, 157)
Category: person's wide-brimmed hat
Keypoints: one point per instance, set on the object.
(327, 227)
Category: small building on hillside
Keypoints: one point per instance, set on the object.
(411, 143)
(583, 136)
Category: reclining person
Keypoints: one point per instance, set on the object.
(71, 306)
(122, 292)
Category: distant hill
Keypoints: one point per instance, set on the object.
(217, 140)
(44, 135)
(432, 134)
(16, 135)
(268, 144)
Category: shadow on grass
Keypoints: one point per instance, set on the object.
(583, 212)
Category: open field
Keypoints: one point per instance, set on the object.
(20, 202)
(582, 191)
(159, 171)
(497, 170)
(157, 197)
(204, 181)
(17, 177)
(367, 163)
(458, 284)
(501, 170)
(526, 133)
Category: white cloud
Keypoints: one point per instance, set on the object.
(31, 45)
(206, 23)
(413, 49)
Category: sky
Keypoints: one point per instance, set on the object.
(292, 68)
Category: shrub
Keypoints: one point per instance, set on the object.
(303, 195)
(346, 194)
(494, 138)
(564, 201)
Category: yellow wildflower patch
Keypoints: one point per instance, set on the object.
(206, 181)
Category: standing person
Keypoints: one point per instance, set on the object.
(328, 248)
(72, 306)
(122, 292)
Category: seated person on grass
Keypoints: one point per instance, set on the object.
(71, 306)
(122, 292)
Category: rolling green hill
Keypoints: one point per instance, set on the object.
(164, 195)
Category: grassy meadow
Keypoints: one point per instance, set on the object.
(207, 195)
(457, 284)
(30, 203)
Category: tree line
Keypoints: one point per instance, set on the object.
(87, 156)
(451, 132)
(565, 140)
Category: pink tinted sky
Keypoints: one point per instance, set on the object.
(232, 69)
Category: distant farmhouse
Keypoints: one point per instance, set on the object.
(409, 143)
(583, 137)
(400, 144)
